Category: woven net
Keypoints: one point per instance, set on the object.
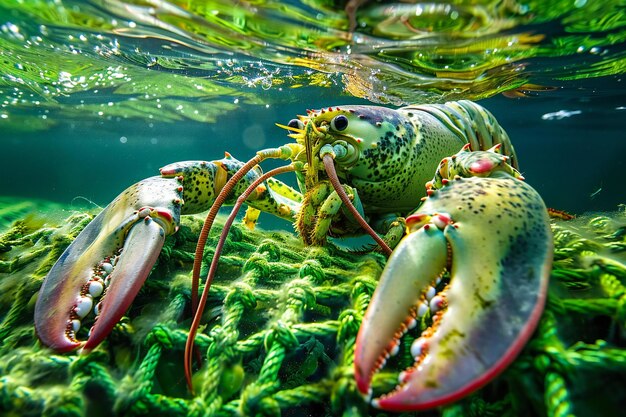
(279, 332)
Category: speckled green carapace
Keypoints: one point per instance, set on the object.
(390, 154)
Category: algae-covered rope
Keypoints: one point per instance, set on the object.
(275, 304)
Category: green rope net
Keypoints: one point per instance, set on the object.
(279, 332)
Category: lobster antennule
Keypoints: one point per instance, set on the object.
(218, 251)
(290, 128)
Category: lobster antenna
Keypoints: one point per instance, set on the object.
(210, 218)
(216, 256)
(329, 166)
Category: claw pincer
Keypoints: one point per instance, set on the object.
(484, 241)
(111, 258)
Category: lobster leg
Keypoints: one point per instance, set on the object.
(322, 210)
(491, 234)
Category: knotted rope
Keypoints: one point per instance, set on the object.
(280, 327)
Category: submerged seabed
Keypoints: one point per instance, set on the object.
(307, 303)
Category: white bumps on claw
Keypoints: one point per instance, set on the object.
(83, 306)
(75, 325)
(417, 347)
(96, 288)
(436, 303)
(422, 309)
(92, 290)
(430, 293)
(107, 267)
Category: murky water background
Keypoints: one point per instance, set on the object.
(95, 95)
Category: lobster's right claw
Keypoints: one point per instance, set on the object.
(491, 232)
(112, 258)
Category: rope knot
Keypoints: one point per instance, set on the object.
(282, 334)
(257, 264)
(349, 323)
(222, 343)
(241, 293)
(313, 269)
(270, 249)
(257, 400)
(552, 359)
(363, 284)
(301, 292)
(160, 335)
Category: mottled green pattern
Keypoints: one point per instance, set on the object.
(202, 181)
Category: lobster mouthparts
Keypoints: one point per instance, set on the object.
(492, 236)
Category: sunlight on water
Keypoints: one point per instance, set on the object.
(157, 56)
(126, 74)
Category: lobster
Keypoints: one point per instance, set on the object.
(472, 248)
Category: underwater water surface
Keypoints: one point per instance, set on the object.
(99, 94)
(96, 95)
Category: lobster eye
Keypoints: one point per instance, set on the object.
(296, 124)
(339, 123)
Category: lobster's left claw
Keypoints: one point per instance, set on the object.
(114, 254)
(492, 235)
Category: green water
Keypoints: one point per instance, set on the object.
(98, 94)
